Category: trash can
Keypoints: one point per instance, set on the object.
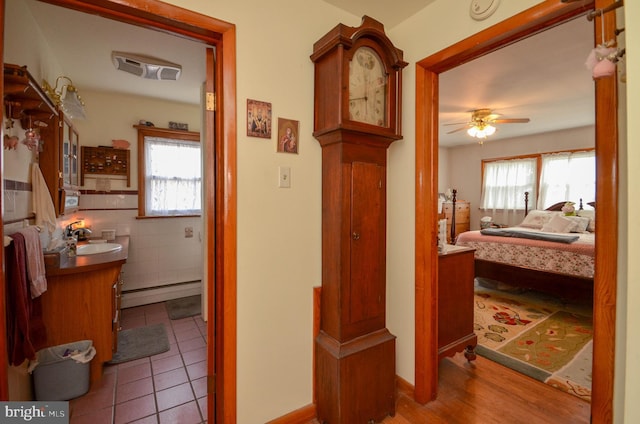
(62, 372)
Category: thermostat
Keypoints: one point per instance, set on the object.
(482, 9)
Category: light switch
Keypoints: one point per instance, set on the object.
(284, 177)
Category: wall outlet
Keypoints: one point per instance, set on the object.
(188, 232)
(284, 177)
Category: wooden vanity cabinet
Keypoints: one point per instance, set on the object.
(83, 306)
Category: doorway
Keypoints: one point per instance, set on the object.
(219, 173)
(529, 22)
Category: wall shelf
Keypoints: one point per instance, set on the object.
(105, 161)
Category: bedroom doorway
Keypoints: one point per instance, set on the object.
(529, 22)
(219, 173)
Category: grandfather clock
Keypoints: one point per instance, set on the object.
(357, 116)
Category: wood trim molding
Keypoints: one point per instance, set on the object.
(220, 171)
(531, 21)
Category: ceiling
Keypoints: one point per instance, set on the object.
(542, 78)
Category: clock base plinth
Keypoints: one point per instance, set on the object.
(356, 379)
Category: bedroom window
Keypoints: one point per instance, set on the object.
(170, 173)
(505, 181)
(550, 178)
(567, 176)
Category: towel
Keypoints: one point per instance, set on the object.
(26, 333)
(35, 261)
(42, 204)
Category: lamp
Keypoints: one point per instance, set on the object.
(481, 131)
(65, 94)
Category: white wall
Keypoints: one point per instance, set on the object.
(465, 168)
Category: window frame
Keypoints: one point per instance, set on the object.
(538, 157)
(146, 131)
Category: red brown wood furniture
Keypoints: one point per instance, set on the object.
(355, 353)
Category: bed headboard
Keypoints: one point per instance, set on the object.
(555, 207)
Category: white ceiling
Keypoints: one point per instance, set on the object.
(542, 78)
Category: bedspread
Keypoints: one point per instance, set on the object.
(567, 258)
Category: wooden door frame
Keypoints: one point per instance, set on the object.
(220, 210)
(545, 15)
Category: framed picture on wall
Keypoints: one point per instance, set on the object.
(258, 119)
(288, 130)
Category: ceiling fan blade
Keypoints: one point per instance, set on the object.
(512, 121)
(459, 123)
(457, 129)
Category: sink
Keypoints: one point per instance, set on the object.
(92, 249)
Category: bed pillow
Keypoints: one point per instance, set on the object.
(537, 219)
(592, 219)
(581, 223)
(559, 224)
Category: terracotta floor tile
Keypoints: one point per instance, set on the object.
(135, 409)
(174, 396)
(173, 350)
(93, 400)
(189, 345)
(184, 324)
(134, 389)
(151, 419)
(187, 334)
(170, 378)
(133, 373)
(199, 387)
(161, 365)
(197, 370)
(202, 404)
(196, 355)
(97, 416)
(188, 413)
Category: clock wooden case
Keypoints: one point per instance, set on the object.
(356, 117)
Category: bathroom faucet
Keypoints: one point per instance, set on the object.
(69, 231)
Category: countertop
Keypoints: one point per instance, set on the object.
(78, 264)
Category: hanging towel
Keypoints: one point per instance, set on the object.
(26, 333)
(35, 261)
(42, 204)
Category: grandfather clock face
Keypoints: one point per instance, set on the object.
(368, 88)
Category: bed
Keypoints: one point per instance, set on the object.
(547, 251)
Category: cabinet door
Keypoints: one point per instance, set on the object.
(74, 144)
(367, 246)
(66, 153)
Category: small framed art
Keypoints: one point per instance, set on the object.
(288, 135)
(258, 119)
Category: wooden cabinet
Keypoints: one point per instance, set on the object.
(84, 306)
(26, 101)
(455, 302)
(462, 212)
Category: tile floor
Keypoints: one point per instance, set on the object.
(168, 388)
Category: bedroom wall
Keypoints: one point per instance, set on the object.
(464, 163)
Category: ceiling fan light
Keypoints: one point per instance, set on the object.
(481, 131)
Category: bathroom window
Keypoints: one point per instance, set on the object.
(170, 174)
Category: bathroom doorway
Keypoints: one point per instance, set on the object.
(219, 213)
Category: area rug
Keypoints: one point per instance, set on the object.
(139, 342)
(184, 307)
(537, 335)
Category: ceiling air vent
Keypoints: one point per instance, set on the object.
(145, 66)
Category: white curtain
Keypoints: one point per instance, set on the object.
(173, 179)
(504, 184)
(567, 176)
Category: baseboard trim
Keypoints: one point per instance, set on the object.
(299, 416)
(160, 294)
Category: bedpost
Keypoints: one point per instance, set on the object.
(453, 217)
(526, 203)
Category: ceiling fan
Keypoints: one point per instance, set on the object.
(482, 123)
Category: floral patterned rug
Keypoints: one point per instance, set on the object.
(538, 335)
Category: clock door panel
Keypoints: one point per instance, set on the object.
(366, 287)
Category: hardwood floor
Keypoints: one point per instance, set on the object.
(484, 392)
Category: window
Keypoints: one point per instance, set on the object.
(567, 176)
(170, 172)
(560, 176)
(505, 181)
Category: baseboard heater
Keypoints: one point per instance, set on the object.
(148, 295)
